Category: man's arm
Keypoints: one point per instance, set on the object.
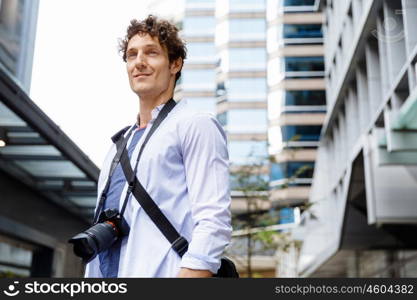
(191, 273)
(207, 174)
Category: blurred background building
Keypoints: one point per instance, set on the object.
(17, 37)
(364, 208)
(47, 184)
(356, 216)
(258, 66)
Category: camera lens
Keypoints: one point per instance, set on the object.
(94, 240)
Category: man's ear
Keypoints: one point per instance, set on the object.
(176, 65)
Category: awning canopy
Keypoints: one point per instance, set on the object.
(35, 151)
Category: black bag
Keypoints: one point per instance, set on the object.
(227, 269)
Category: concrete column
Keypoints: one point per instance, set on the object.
(393, 37)
(364, 106)
(373, 71)
(409, 10)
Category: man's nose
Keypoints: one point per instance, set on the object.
(140, 61)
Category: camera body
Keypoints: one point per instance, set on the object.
(101, 236)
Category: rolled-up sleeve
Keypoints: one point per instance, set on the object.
(207, 174)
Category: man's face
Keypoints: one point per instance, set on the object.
(148, 67)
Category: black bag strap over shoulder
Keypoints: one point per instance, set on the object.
(178, 243)
(121, 142)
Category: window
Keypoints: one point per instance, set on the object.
(247, 152)
(299, 2)
(247, 5)
(292, 169)
(258, 180)
(300, 133)
(200, 4)
(206, 104)
(303, 31)
(198, 80)
(247, 29)
(200, 51)
(246, 89)
(247, 58)
(201, 26)
(286, 215)
(245, 121)
(303, 64)
(11, 35)
(309, 98)
(222, 118)
(201, 1)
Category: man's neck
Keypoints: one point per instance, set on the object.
(147, 104)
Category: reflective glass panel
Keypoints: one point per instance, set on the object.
(303, 64)
(198, 80)
(247, 58)
(302, 31)
(292, 170)
(305, 98)
(300, 133)
(246, 152)
(247, 121)
(247, 5)
(11, 18)
(247, 29)
(200, 51)
(246, 89)
(299, 2)
(51, 168)
(206, 104)
(199, 25)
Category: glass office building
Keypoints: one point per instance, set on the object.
(363, 193)
(18, 20)
(225, 74)
(296, 97)
(198, 80)
(260, 71)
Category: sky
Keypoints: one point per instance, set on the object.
(79, 79)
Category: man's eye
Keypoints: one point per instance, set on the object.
(131, 55)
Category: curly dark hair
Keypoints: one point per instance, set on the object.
(166, 32)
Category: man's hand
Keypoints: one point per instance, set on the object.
(191, 273)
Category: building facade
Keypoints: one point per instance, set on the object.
(258, 66)
(18, 19)
(363, 193)
(296, 97)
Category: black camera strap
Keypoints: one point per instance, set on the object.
(121, 148)
(179, 243)
(115, 161)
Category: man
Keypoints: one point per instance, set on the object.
(184, 168)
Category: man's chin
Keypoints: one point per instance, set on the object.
(143, 91)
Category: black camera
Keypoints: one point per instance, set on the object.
(101, 236)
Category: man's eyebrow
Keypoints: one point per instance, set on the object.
(151, 46)
(147, 46)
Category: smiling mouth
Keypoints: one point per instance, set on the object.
(141, 75)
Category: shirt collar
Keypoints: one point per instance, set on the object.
(155, 111)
